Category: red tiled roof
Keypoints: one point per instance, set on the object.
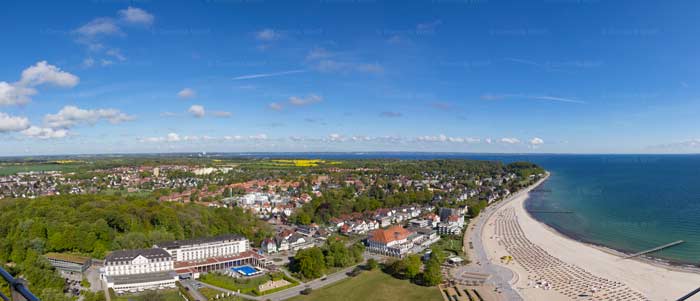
(390, 234)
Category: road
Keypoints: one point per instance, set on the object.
(500, 276)
(190, 285)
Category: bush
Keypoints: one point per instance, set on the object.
(372, 264)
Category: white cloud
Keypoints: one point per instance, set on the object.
(187, 93)
(88, 62)
(267, 35)
(445, 138)
(134, 15)
(196, 111)
(10, 123)
(439, 138)
(236, 138)
(261, 75)
(494, 97)
(99, 26)
(275, 106)
(258, 137)
(44, 133)
(172, 137)
(510, 140)
(428, 27)
(335, 137)
(302, 101)
(116, 53)
(536, 141)
(70, 116)
(43, 73)
(324, 61)
(11, 94)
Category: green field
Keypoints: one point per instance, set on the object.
(164, 295)
(373, 285)
(450, 245)
(245, 286)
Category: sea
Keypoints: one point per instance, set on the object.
(628, 203)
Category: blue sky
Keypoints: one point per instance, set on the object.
(552, 76)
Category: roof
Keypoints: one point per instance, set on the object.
(390, 234)
(188, 242)
(68, 258)
(127, 255)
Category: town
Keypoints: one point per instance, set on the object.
(387, 212)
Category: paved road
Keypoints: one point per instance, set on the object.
(500, 276)
(190, 284)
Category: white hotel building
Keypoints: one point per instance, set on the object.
(205, 248)
(137, 270)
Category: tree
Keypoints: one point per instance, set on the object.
(310, 263)
(372, 264)
(412, 266)
(431, 274)
(337, 255)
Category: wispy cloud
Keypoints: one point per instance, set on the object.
(261, 75)
(302, 101)
(187, 93)
(275, 106)
(268, 35)
(493, 97)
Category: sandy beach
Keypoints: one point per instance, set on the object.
(550, 266)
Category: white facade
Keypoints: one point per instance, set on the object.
(201, 249)
(139, 265)
(136, 270)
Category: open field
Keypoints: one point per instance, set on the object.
(246, 286)
(373, 285)
(164, 295)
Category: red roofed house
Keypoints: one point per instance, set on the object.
(392, 241)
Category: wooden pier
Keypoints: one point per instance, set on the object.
(668, 245)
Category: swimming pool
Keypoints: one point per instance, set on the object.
(245, 270)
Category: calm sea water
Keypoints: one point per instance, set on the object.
(625, 202)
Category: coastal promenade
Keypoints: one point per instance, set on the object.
(546, 265)
(501, 277)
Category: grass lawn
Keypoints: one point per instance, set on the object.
(209, 293)
(373, 285)
(450, 245)
(245, 285)
(162, 295)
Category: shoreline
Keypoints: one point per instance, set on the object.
(655, 280)
(662, 263)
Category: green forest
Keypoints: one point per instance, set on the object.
(95, 224)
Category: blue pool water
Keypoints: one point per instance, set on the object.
(245, 270)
